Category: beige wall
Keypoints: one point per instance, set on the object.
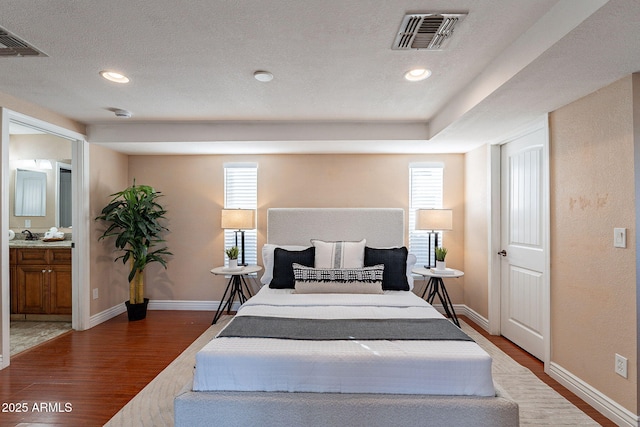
(50, 147)
(593, 284)
(108, 175)
(37, 112)
(193, 196)
(476, 239)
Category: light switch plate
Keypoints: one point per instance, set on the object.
(619, 237)
(621, 366)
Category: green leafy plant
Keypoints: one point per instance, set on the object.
(441, 254)
(134, 216)
(232, 252)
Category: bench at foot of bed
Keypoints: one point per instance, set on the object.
(281, 409)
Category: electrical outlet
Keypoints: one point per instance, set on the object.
(619, 237)
(27, 223)
(621, 366)
(95, 293)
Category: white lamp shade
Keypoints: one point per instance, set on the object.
(238, 219)
(434, 219)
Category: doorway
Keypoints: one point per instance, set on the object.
(40, 295)
(520, 276)
(76, 272)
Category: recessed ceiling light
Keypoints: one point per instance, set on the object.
(417, 74)
(114, 76)
(263, 76)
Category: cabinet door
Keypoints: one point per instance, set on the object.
(13, 286)
(31, 281)
(60, 289)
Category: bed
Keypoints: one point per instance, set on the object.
(323, 353)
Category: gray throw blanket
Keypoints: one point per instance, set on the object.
(343, 329)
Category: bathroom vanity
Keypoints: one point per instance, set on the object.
(40, 280)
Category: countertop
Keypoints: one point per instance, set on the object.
(38, 244)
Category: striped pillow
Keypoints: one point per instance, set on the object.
(339, 254)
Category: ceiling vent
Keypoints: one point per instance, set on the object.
(12, 46)
(426, 30)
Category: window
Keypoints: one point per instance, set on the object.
(425, 192)
(241, 191)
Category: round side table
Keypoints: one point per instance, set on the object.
(234, 287)
(435, 286)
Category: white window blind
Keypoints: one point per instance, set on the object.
(425, 192)
(241, 191)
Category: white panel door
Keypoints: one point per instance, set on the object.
(524, 310)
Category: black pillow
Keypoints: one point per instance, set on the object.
(394, 277)
(283, 269)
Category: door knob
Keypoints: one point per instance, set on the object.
(502, 252)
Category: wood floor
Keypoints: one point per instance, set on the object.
(84, 378)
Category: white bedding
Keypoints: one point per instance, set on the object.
(395, 367)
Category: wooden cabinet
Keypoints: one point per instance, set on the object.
(12, 281)
(41, 282)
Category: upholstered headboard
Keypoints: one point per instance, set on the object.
(382, 227)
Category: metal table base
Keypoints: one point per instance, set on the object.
(235, 286)
(435, 286)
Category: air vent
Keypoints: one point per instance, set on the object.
(426, 30)
(12, 46)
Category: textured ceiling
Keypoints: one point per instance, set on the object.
(338, 85)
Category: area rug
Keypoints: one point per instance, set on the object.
(540, 405)
(27, 334)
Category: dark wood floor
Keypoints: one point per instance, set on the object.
(84, 378)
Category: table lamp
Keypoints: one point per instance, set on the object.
(432, 220)
(239, 220)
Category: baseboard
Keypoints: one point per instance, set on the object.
(114, 311)
(105, 315)
(600, 402)
(463, 310)
(474, 316)
(188, 305)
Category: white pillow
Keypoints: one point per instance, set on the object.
(411, 262)
(339, 254)
(267, 259)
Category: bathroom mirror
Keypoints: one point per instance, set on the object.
(36, 150)
(30, 193)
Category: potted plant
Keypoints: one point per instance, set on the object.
(233, 253)
(441, 254)
(134, 216)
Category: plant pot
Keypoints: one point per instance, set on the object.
(233, 263)
(441, 265)
(137, 311)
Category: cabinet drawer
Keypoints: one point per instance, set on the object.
(31, 256)
(39, 256)
(60, 256)
(12, 256)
